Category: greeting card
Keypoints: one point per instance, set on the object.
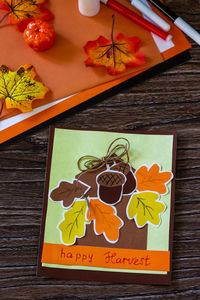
(108, 207)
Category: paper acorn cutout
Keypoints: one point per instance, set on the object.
(126, 169)
(110, 185)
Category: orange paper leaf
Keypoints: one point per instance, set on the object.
(19, 89)
(114, 55)
(105, 220)
(152, 179)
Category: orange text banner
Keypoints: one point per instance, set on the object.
(106, 257)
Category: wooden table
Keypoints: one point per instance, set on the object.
(169, 101)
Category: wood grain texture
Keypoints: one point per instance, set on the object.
(169, 101)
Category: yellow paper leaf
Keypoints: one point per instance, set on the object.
(145, 208)
(19, 89)
(74, 224)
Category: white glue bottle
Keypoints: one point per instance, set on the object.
(89, 8)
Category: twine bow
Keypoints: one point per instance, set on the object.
(114, 153)
(92, 163)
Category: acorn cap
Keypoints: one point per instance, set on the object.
(122, 167)
(111, 179)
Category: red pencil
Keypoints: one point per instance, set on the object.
(137, 19)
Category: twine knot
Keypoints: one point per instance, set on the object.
(89, 163)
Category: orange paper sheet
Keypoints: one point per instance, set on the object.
(106, 257)
(62, 67)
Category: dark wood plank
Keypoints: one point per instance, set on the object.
(169, 101)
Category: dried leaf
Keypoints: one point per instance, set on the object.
(74, 224)
(116, 54)
(105, 220)
(22, 12)
(152, 179)
(67, 192)
(145, 208)
(19, 89)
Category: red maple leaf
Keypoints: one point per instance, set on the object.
(22, 12)
(114, 55)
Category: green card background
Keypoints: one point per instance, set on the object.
(70, 145)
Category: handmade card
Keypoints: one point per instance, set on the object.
(108, 206)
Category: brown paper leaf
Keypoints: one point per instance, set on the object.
(68, 191)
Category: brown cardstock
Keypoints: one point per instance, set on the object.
(92, 240)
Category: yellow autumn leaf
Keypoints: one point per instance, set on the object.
(74, 224)
(24, 11)
(19, 89)
(145, 208)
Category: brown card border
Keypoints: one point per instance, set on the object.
(154, 279)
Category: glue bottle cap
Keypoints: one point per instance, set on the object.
(89, 8)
